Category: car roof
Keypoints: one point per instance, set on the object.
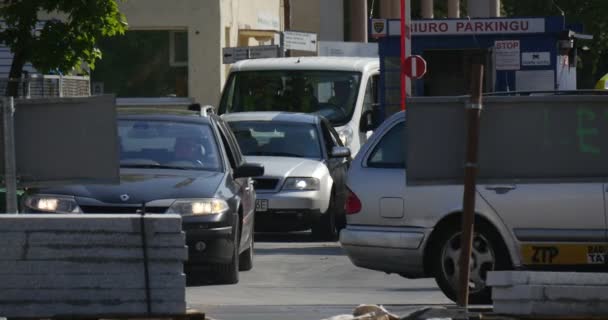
(308, 63)
(165, 117)
(272, 116)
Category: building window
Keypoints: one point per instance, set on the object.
(178, 44)
(139, 64)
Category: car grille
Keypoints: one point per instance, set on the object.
(266, 184)
(118, 209)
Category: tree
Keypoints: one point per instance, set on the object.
(592, 14)
(56, 45)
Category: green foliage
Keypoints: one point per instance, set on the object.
(62, 44)
(592, 14)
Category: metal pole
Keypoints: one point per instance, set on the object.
(10, 165)
(404, 50)
(468, 204)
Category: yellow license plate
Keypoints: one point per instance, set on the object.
(564, 254)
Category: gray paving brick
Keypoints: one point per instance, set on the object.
(96, 268)
(106, 309)
(58, 281)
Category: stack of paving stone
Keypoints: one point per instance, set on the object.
(563, 294)
(91, 265)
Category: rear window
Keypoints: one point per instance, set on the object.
(390, 152)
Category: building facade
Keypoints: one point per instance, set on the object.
(174, 48)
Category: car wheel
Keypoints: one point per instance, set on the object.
(229, 273)
(488, 254)
(246, 258)
(325, 228)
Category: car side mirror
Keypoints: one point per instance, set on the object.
(340, 152)
(368, 121)
(249, 170)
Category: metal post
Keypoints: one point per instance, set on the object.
(470, 174)
(10, 165)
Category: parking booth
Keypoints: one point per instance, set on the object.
(521, 54)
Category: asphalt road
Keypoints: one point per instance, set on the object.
(295, 278)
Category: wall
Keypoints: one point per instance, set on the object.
(202, 20)
(248, 15)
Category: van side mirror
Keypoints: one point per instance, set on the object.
(249, 170)
(368, 122)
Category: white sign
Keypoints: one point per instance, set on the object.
(268, 21)
(348, 49)
(302, 41)
(507, 54)
(232, 55)
(536, 59)
(472, 26)
(535, 80)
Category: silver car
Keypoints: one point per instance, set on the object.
(414, 231)
(306, 164)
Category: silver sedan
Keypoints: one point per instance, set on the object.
(306, 163)
(414, 231)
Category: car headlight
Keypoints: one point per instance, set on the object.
(346, 135)
(301, 184)
(52, 204)
(198, 207)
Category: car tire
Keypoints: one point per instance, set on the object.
(325, 229)
(489, 253)
(229, 273)
(246, 258)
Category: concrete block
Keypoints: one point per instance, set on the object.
(106, 309)
(164, 223)
(560, 309)
(59, 281)
(105, 239)
(510, 278)
(15, 296)
(551, 293)
(103, 254)
(11, 239)
(94, 267)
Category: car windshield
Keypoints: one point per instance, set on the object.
(331, 94)
(167, 145)
(280, 139)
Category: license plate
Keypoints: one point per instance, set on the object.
(261, 205)
(564, 254)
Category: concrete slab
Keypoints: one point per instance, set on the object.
(106, 309)
(509, 278)
(562, 309)
(82, 268)
(91, 223)
(544, 293)
(13, 296)
(125, 239)
(57, 281)
(99, 253)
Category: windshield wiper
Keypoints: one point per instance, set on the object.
(279, 154)
(154, 166)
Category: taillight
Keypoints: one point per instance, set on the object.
(353, 204)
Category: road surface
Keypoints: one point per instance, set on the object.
(295, 278)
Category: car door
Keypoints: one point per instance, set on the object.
(386, 164)
(554, 223)
(337, 166)
(244, 185)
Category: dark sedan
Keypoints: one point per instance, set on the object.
(184, 164)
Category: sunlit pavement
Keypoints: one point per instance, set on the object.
(296, 277)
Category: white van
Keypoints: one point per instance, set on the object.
(342, 89)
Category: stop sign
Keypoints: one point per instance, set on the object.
(415, 67)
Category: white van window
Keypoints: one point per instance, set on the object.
(332, 94)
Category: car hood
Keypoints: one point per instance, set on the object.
(287, 166)
(142, 185)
